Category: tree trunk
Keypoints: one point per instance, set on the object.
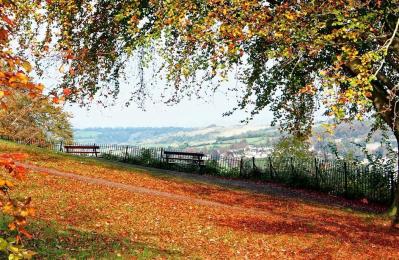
(384, 96)
(388, 111)
(393, 211)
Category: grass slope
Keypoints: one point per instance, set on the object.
(80, 220)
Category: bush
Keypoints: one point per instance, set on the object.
(211, 167)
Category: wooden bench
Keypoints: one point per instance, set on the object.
(191, 158)
(82, 149)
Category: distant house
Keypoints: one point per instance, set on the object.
(357, 140)
(371, 147)
(338, 140)
(215, 154)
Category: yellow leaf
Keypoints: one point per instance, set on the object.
(290, 16)
(40, 86)
(13, 249)
(22, 77)
(3, 244)
(62, 69)
(26, 65)
(19, 77)
(8, 208)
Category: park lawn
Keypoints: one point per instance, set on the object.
(77, 219)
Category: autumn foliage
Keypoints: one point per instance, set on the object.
(13, 77)
(16, 210)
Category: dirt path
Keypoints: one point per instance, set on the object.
(137, 189)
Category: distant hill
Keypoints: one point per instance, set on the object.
(130, 135)
(346, 138)
(170, 136)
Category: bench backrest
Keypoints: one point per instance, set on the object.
(82, 146)
(184, 153)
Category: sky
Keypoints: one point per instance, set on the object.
(192, 112)
(188, 113)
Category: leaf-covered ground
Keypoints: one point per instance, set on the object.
(154, 215)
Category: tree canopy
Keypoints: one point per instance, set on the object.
(293, 57)
(35, 119)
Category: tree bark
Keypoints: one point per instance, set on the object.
(393, 211)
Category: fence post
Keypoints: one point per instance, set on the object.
(61, 144)
(255, 172)
(346, 179)
(392, 186)
(292, 166)
(316, 173)
(241, 165)
(125, 159)
(271, 168)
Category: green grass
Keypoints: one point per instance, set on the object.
(51, 241)
(55, 242)
(256, 140)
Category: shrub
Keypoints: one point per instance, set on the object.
(211, 167)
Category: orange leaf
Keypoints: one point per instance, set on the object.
(3, 35)
(18, 156)
(24, 232)
(40, 87)
(9, 184)
(7, 20)
(12, 226)
(3, 105)
(67, 91)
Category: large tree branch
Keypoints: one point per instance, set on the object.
(382, 101)
(392, 41)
